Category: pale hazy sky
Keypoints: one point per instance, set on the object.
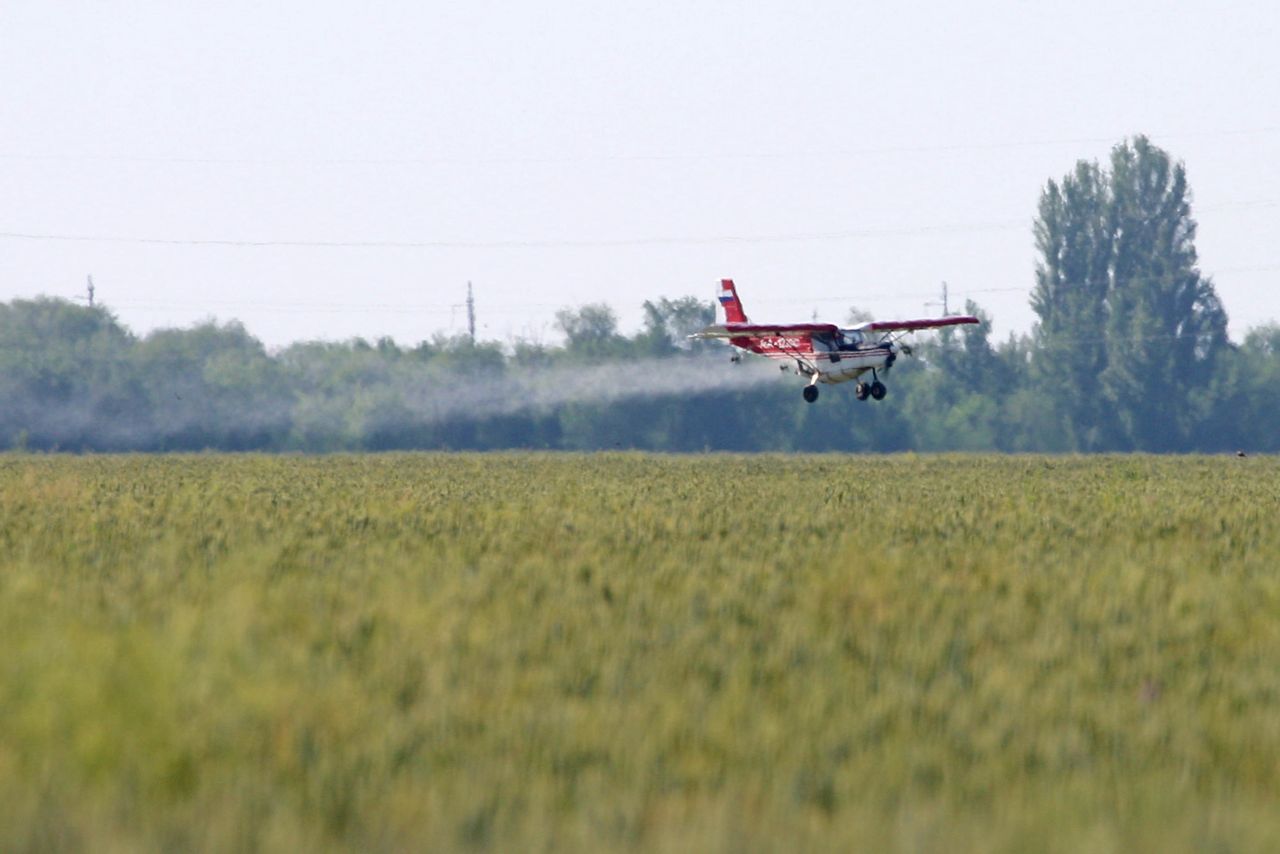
(824, 154)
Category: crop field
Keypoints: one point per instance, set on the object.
(563, 652)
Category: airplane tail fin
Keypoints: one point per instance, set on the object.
(733, 312)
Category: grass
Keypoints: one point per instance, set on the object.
(522, 652)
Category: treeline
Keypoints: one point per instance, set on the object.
(1130, 353)
(72, 378)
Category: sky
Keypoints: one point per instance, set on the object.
(324, 170)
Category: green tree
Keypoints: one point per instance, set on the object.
(66, 379)
(591, 331)
(212, 386)
(1129, 330)
(1073, 238)
(1166, 325)
(967, 359)
(669, 323)
(1246, 388)
(857, 315)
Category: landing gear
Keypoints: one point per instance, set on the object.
(810, 393)
(874, 390)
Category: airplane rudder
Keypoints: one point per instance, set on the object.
(733, 311)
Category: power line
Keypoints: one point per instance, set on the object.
(506, 306)
(510, 307)
(556, 243)
(516, 244)
(792, 154)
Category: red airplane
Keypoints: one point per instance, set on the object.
(823, 352)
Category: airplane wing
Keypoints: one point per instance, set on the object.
(761, 330)
(912, 325)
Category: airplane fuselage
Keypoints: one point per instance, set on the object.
(833, 360)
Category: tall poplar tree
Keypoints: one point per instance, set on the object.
(1072, 278)
(1129, 328)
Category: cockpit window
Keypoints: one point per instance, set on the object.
(850, 339)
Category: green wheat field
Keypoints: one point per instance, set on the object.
(633, 652)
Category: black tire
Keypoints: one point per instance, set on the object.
(810, 393)
(861, 391)
(878, 390)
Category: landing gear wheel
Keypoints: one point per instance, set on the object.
(878, 390)
(810, 393)
(861, 391)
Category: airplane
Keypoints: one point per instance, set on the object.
(823, 352)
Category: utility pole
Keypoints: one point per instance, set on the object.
(946, 306)
(471, 314)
